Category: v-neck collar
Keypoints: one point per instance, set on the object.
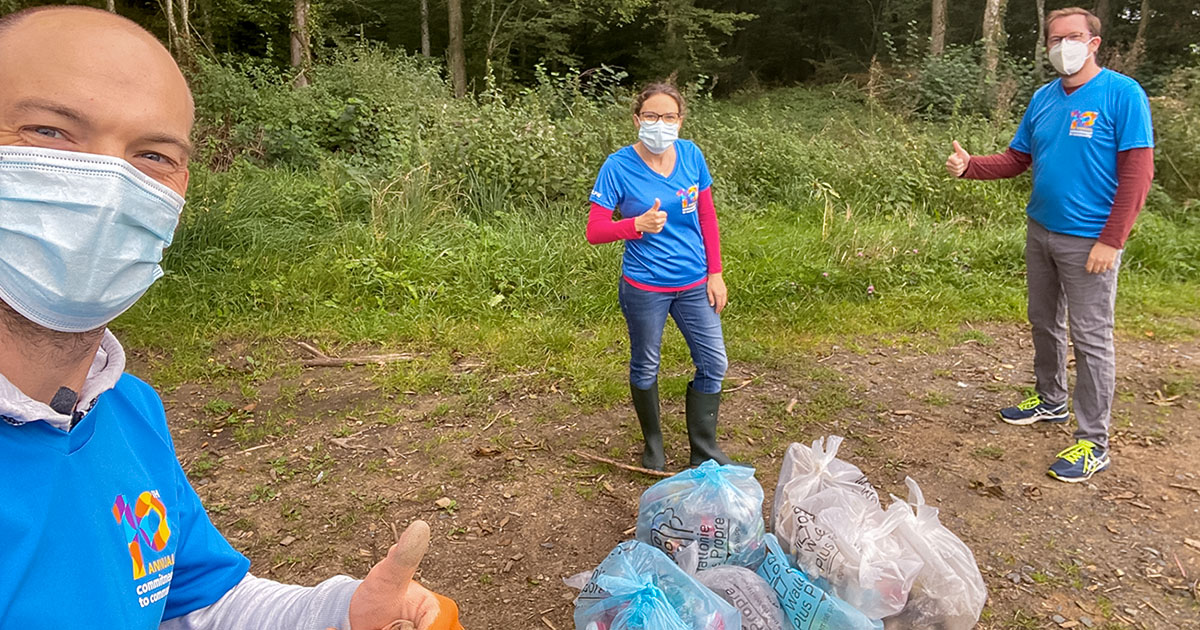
(644, 163)
(1062, 89)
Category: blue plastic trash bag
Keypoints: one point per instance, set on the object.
(807, 605)
(638, 587)
(719, 508)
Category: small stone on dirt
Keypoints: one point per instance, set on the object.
(1059, 619)
(287, 540)
(1087, 621)
(444, 503)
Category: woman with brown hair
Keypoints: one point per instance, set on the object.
(662, 190)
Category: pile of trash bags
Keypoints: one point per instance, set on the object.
(834, 558)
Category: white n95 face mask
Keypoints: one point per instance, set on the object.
(81, 235)
(1068, 56)
(658, 136)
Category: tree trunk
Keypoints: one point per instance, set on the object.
(301, 53)
(206, 23)
(111, 5)
(993, 38)
(1039, 49)
(185, 29)
(458, 60)
(1139, 42)
(1103, 11)
(937, 38)
(172, 30)
(425, 28)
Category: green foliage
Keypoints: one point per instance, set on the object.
(457, 225)
(953, 84)
(1177, 120)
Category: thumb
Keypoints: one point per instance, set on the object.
(958, 148)
(656, 206)
(397, 569)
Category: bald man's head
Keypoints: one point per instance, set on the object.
(8, 21)
(86, 80)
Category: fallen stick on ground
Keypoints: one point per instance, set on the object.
(744, 384)
(611, 462)
(320, 359)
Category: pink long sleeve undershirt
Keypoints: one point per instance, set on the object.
(602, 229)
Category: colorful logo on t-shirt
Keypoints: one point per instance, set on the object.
(688, 199)
(1083, 123)
(144, 523)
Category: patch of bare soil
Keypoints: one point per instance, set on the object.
(306, 475)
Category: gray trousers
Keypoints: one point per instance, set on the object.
(1061, 291)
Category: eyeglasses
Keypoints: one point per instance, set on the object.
(652, 117)
(1051, 42)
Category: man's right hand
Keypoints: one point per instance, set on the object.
(956, 164)
(652, 220)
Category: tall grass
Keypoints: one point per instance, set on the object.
(375, 208)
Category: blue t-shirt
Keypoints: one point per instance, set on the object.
(674, 257)
(1074, 140)
(101, 527)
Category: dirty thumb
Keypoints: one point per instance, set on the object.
(405, 556)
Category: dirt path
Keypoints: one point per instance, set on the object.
(306, 473)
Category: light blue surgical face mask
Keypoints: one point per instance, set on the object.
(81, 235)
(658, 136)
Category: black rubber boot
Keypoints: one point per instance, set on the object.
(702, 427)
(645, 402)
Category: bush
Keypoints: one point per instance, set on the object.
(1177, 127)
(372, 205)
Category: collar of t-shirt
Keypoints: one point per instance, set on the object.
(107, 367)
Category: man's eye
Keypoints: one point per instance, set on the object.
(156, 157)
(49, 132)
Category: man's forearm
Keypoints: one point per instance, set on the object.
(262, 604)
(999, 166)
(1135, 171)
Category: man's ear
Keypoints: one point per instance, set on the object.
(1094, 45)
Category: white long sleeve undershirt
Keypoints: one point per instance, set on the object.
(261, 604)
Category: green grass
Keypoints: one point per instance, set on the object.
(478, 250)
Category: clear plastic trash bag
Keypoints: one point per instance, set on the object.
(806, 604)
(949, 592)
(749, 593)
(637, 587)
(719, 508)
(827, 517)
(808, 470)
(850, 542)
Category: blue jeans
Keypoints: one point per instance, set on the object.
(646, 314)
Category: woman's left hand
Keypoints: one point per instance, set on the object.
(718, 295)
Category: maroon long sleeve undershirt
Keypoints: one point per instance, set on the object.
(1135, 171)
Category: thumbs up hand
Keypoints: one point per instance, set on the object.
(388, 597)
(652, 220)
(956, 164)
